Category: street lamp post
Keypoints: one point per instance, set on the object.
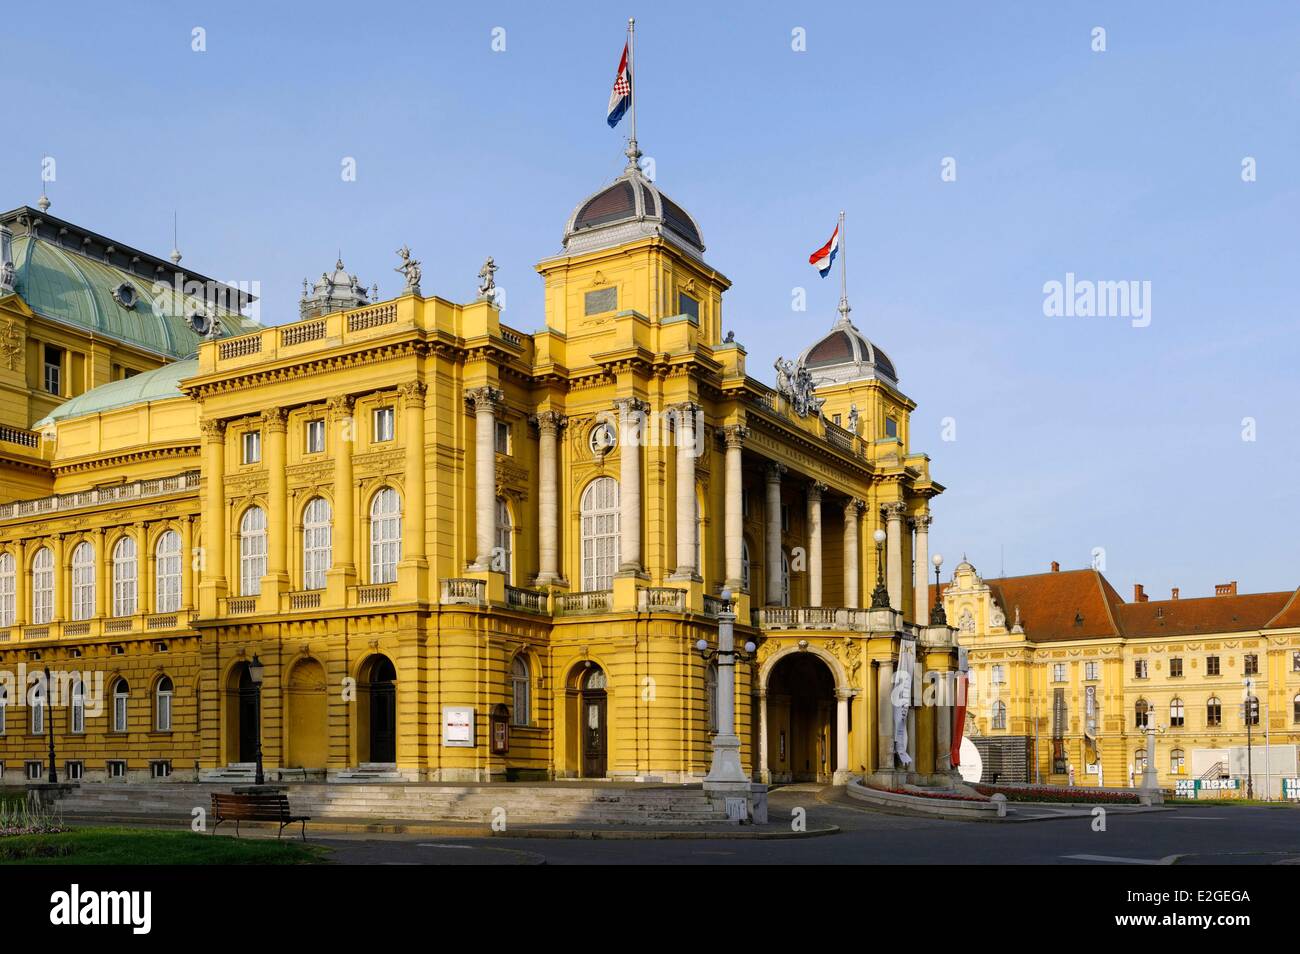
(880, 595)
(256, 673)
(938, 617)
(725, 767)
(1249, 712)
(49, 715)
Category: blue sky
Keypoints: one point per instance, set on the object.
(1071, 433)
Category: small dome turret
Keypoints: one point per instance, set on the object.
(336, 291)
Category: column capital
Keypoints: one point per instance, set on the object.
(815, 490)
(895, 510)
(275, 419)
(921, 521)
(631, 405)
(550, 422)
(339, 408)
(853, 507)
(412, 393)
(844, 694)
(733, 435)
(214, 429)
(486, 398)
(686, 407)
(774, 470)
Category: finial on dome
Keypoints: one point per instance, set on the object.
(176, 249)
(43, 202)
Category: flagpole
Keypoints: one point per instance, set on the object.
(633, 151)
(844, 273)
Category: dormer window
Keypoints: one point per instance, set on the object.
(125, 295)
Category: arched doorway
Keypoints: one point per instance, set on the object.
(378, 711)
(241, 715)
(586, 716)
(801, 730)
(308, 743)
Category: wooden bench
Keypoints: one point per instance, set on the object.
(268, 806)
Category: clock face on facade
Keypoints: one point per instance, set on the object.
(603, 438)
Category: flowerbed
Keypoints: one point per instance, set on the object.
(1045, 793)
(954, 797)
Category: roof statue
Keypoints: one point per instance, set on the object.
(487, 286)
(410, 267)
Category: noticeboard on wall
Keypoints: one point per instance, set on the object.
(458, 726)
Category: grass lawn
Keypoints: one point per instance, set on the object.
(133, 846)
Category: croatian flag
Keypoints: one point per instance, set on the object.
(620, 98)
(824, 257)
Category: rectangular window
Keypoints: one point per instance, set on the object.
(74, 771)
(1252, 664)
(53, 379)
(37, 715)
(383, 424)
(891, 427)
(116, 768)
(315, 433)
(599, 301)
(34, 770)
(502, 437)
(999, 674)
(1139, 669)
(1295, 662)
(1090, 671)
(1058, 672)
(1211, 665)
(252, 447)
(160, 768)
(686, 305)
(1175, 667)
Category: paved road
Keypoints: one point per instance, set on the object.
(1185, 835)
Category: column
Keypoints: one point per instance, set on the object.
(687, 522)
(842, 699)
(144, 570)
(921, 569)
(60, 579)
(484, 401)
(894, 514)
(734, 437)
(274, 426)
(22, 585)
(343, 563)
(852, 512)
(773, 556)
(632, 418)
(213, 585)
(187, 563)
(764, 773)
(943, 722)
(885, 716)
(413, 477)
(548, 496)
(815, 491)
(102, 583)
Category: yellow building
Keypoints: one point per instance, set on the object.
(466, 552)
(1068, 677)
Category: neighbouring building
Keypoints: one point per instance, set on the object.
(457, 549)
(1067, 675)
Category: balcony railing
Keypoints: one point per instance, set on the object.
(304, 600)
(373, 594)
(113, 493)
(20, 436)
(530, 601)
(581, 604)
(241, 605)
(463, 592)
(713, 605)
(810, 617)
(661, 599)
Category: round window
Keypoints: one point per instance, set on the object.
(125, 295)
(603, 438)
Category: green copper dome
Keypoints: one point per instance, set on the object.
(160, 384)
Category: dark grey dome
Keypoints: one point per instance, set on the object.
(629, 208)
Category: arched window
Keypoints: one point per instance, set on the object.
(43, 586)
(83, 580)
(77, 722)
(317, 543)
(1176, 714)
(711, 695)
(521, 712)
(1142, 713)
(8, 589)
(1213, 712)
(124, 567)
(36, 708)
(1295, 704)
(1177, 762)
(252, 551)
(999, 715)
(385, 535)
(167, 573)
(744, 563)
(121, 693)
(1252, 710)
(501, 558)
(162, 705)
(600, 534)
